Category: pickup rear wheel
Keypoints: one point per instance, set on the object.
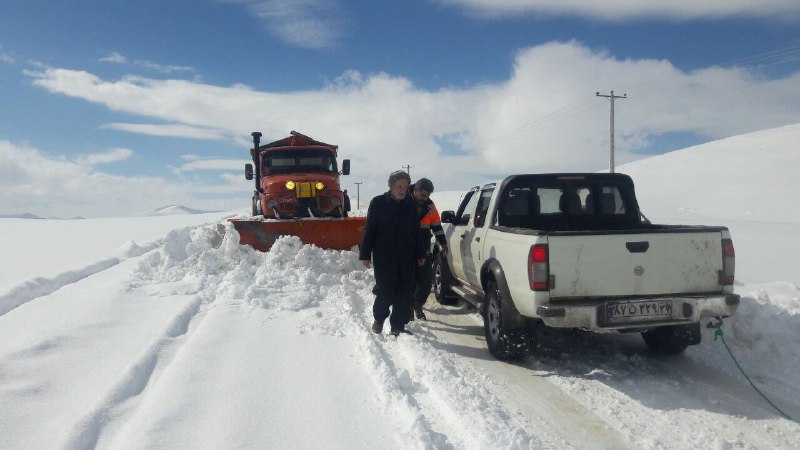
(672, 339)
(442, 281)
(504, 344)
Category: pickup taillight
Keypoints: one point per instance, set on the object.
(538, 268)
(728, 262)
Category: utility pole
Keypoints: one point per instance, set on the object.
(611, 131)
(358, 194)
(408, 169)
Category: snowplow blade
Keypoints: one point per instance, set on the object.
(332, 234)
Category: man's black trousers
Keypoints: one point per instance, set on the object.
(424, 276)
(397, 293)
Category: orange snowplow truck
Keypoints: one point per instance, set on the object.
(297, 189)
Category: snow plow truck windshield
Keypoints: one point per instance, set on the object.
(299, 161)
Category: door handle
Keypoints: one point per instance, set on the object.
(637, 247)
(478, 239)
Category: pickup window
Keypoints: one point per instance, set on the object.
(565, 203)
(467, 207)
(482, 209)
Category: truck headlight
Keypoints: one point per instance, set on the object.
(290, 185)
(319, 186)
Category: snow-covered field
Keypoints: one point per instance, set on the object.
(163, 332)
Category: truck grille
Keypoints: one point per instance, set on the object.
(305, 190)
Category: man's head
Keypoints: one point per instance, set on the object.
(398, 184)
(422, 189)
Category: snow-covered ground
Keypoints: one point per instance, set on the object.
(163, 332)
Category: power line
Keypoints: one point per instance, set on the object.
(565, 112)
(774, 57)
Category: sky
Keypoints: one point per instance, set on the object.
(115, 108)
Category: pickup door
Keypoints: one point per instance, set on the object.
(672, 260)
(467, 231)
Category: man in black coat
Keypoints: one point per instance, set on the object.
(393, 240)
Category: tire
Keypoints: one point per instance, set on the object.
(673, 339)
(442, 281)
(504, 344)
(256, 205)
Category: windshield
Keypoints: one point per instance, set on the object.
(290, 161)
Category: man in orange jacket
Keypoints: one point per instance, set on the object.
(430, 225)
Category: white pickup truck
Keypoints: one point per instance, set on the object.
(574, 251)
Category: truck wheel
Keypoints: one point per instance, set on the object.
(504, 344)
(672, 339)
(256, 206)
(442, 280)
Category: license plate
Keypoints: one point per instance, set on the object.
(642, 310)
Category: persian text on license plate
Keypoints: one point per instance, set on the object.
(628, 310)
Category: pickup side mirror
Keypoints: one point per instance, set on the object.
(346, 167)
(248, 171)
(448, 217)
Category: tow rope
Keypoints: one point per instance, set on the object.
(718, 334)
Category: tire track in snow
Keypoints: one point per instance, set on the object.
(619, 380)
(449, 407)
(396, 395)
(550, 412)
(34, 288)
(133, 382)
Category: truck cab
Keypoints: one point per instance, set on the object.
(296, 177)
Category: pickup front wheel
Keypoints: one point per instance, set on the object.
(442, 280)
(504, 344)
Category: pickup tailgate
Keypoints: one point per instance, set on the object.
(635, 264)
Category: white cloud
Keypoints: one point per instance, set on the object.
(314, 24)
(31, 181)
(618, 10)
(170, 130)
(6, 57)
(116, 58)
(544, 118)
(195, 164)
(111, 156)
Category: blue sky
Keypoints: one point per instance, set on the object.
(159, 97)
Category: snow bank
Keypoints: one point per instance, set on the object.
(763, 334)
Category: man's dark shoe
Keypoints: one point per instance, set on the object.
(397, 331)
(377, 327)
(420, 313)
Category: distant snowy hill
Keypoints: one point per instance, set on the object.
(20, 216)
(173, 210)
(752, 176)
